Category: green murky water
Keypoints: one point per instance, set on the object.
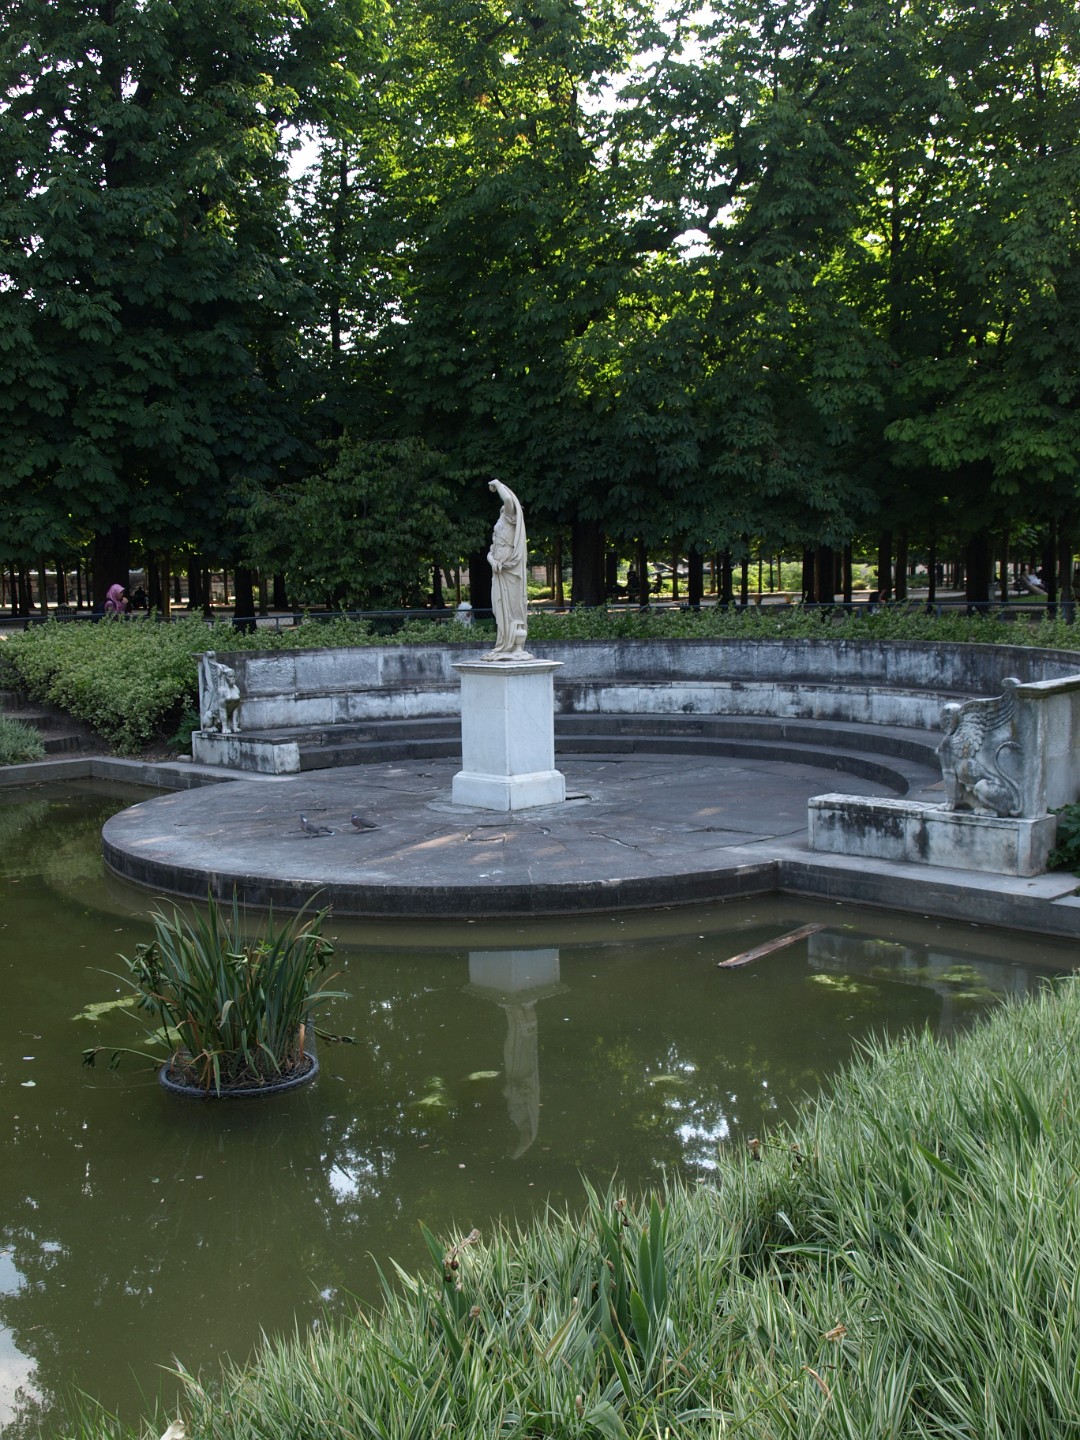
(496, 1064)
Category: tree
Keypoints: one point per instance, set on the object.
(147, 332)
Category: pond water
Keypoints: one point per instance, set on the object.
(495, 1064)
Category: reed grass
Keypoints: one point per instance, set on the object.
(233, 1005)
(904, 1261)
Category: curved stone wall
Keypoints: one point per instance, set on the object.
(863, 682)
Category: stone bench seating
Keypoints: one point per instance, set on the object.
(308, 708)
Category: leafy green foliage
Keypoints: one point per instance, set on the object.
(362, 532)
(234, 1007)
(19, 742)
(132, 679)
(148, 315)
(1066, 852)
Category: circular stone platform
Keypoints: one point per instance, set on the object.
(635, 830)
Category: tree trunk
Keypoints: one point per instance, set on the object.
(244, 611)
(727, 591)
(587, 581)
(611, 574)
(153, 585)
(825, 574)
(281, 595)
(695, 578)
(1065, 572)
(165, 586)
(845, 574)
(479, 582)
(196, 588)
(1049, 571)
(111, 561)
(900, 567)
(1004, 575)
(979, 571)
(884, 565)
(809, 576)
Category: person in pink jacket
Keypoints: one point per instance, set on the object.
(116, 600)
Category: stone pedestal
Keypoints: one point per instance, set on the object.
(918, 834)
(508, 735)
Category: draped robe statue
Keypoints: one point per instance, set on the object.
(508, 558)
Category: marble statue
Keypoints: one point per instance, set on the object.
(980, 756)
(219, 696)
(508, 558)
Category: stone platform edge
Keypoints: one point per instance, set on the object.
(1043, 905)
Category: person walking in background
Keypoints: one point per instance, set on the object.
(116, 600)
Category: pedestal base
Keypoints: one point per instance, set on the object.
(508, 735)
(929, 835)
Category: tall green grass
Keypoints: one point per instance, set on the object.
(902, 1262)
(19, 742)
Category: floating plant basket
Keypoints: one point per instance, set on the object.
(172, 1078)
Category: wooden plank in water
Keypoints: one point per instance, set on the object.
(770, 945)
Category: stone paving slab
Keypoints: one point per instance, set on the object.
(636, 830)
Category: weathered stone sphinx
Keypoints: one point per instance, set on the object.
(1006, 763)
(219, 696)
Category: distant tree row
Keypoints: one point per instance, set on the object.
(281, 285)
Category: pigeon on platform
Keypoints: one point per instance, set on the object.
(311, 829)
(361, 822)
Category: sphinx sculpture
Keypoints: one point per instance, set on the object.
(508, 558)
(980, 755)
(219, 696)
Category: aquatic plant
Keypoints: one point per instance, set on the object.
(234, 1009)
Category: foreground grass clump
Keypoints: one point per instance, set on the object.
(902, 1262)
(134, 681)
(19, 742)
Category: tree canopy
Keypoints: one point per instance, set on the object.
(286, 283)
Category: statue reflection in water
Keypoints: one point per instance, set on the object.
(516, 980)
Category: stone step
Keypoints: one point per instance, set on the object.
(379, 736)
(60, 742)
(43, 718)
(901, 759)
(904, 776)
(368, 752)
(59, 732)
(917, 746)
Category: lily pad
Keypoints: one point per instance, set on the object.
(95, 1012)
